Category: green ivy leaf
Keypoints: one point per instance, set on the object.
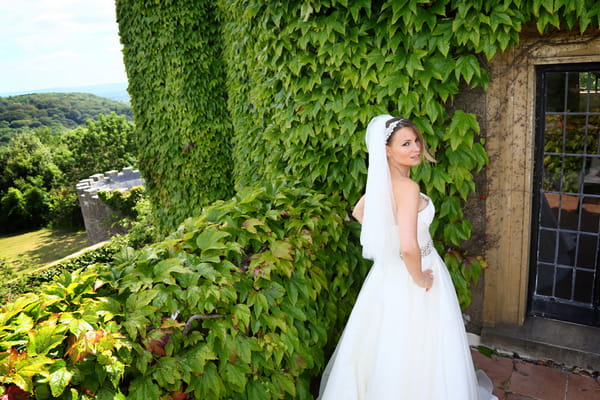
(234, 375)
(45, 338)
(143, 388)
(211, 239)
(467, 66)
(166, 371)
(283, 250)
(59, 380)
(241, 313)
(257, 391)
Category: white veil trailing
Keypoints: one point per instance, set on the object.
(378, 235)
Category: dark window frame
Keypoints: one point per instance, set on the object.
(552, 306)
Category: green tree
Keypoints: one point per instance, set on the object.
(45, 164)
(27, 161)
(105, 144)
(64, 210)
(53, 110)
(37, 206)
(13, 211)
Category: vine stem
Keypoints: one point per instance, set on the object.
(188, 324)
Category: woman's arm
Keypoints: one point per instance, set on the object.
(407, 198)
(359, 209)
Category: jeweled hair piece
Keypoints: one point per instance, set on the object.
(390, 129)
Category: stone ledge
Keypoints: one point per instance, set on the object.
(545, 339)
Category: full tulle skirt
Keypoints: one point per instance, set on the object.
(401, 342)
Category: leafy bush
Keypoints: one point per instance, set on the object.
(37, 205)
(13, 211)
(65, 211)
(142, 230)
(123, 201)
(53, 339)
(132, 213)
(239, 303)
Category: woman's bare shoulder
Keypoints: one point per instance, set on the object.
(406, 194)
(406, 186)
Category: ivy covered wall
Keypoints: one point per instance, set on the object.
(237, 93)
(293, 84)
(176, 74)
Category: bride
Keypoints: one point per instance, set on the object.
(405, 337)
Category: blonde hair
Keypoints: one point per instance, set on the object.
(400, 123)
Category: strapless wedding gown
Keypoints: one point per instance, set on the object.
(401, 342)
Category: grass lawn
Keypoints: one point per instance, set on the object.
(28, 251)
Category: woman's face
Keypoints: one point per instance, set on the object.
(404, 148)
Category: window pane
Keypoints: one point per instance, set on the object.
(545, 280)
(587, 251)
(548, 214)
(591, 180)
(590, 211)
(547, 246)
(584, 286)
(552, 173)
(555, 91)
(595, 101)
(566, 248)
(553, 134)
(590, 83)
(569, 215)
(576, 99)
(594, 132)
(564, 281)
(572, 174)
(575, 135)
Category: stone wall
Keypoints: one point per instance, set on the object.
(97, 216)
(510, 136)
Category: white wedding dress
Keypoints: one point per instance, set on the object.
(402, 342)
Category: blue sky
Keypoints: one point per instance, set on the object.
(58, 43)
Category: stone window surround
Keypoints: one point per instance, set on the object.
(509, 122)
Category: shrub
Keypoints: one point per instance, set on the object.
(142, 230)
(64, 209)
(13, 211)
(37, 205)
(239, 303)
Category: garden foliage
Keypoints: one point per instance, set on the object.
(239, 303)
(237, 93)
(40, 168)
(242, 300)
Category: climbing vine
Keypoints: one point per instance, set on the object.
(123, 202)
(176, 74)
(305, 78)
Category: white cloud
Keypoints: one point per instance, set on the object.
(54, 43)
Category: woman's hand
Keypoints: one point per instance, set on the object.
(426, 280)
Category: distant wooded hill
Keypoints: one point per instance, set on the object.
(53, 110)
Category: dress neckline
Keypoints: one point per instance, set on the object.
(427, 200)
